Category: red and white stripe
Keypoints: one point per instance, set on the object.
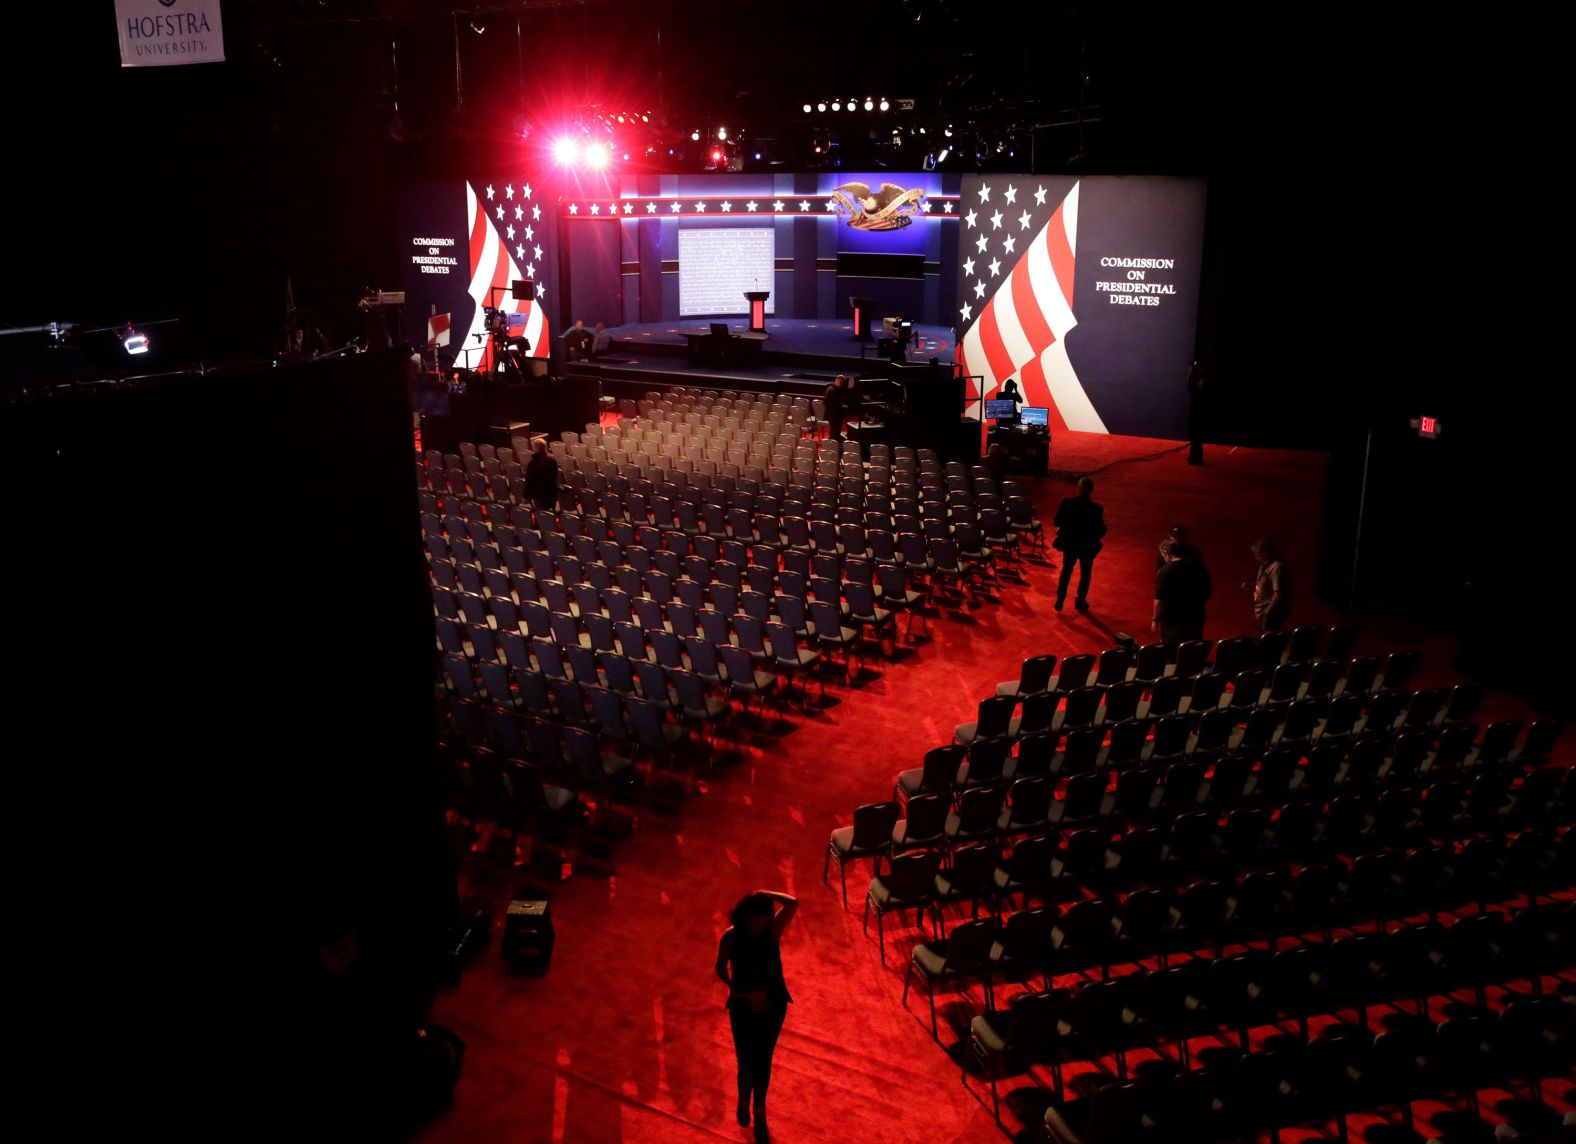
(438, 330)
(493, 266)
(1022, 330)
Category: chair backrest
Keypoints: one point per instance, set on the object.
(827, 619)
(1114, 665)
(873, 825)
(941, 768)
(987, 759)
(925, 817)
(995, 715)
(1031, 801)
(969, 945)
(1075, 672)
(702, 656)
(912, 876)
(978, 810)
(740, 665)
(784, 643)
(1035, 675)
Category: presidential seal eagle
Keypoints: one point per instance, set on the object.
(890, 208)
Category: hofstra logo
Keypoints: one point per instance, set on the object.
(159, 27)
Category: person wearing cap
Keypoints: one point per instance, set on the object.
(1177, 535)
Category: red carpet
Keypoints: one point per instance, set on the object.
(626, 1038)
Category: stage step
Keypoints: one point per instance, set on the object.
(622, 379)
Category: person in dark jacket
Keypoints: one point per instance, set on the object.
(541, 477)
(836, 398)
(1080, 529)
(750, 964)
(1182, 588)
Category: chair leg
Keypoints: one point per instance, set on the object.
(907, 975)
(931, 990)
(826, 863)
(842, 871)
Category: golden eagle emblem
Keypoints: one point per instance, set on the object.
(891, 208)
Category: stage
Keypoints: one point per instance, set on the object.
(798, 356)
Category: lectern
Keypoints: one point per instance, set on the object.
(863, 308)
(757, 300)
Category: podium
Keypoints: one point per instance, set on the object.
(863, 308)
(757, 300)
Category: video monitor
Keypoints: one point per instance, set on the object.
(1035, 415)
(1001, 409)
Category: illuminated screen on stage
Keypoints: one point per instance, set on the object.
(717, 265)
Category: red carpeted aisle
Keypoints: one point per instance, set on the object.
(626, 1038)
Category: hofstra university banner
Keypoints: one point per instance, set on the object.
(158, 33)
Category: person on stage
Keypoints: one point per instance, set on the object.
(578, 341)
(601, 341)
(749, 963)
(1080, 530)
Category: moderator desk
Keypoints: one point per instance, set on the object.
(732, 349)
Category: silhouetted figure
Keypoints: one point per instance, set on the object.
(1080, 528)
(1271, 588)
(601, 341)
(1197, 414)
(836, 398)
(750, 965)
(1182, 588)
(541, 477)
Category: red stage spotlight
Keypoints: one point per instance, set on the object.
(716, 156)
(566, 151)
(596, 156)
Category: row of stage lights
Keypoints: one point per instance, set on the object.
(869, 104)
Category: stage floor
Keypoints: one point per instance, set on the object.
(815, 337)
(799, 356)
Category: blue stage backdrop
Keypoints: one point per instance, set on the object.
(898, 228)
(887, 236)
(1084, 291)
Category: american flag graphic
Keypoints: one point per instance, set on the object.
(437, 331)
(1019, 247)
(506, 244)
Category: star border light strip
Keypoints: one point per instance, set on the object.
(941, 207)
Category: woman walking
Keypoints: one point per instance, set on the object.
(750, 965)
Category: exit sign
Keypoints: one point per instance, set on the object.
(1427, 427)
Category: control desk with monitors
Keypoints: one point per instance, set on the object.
(1024, 432)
